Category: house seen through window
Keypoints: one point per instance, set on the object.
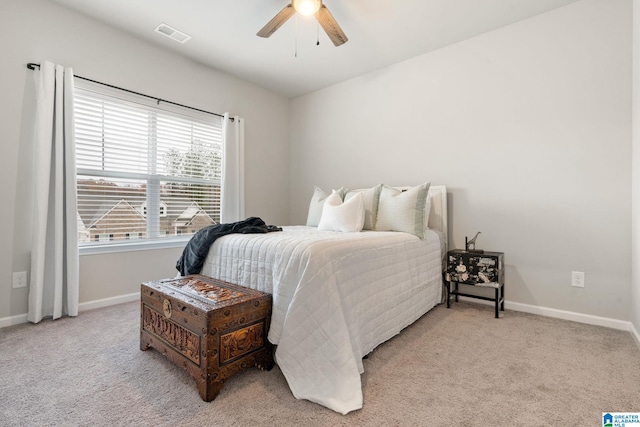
(146, 171)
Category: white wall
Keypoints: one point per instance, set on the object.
(529, 126)
(635, 252)
(36, 30)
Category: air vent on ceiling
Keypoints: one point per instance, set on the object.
(172, 33)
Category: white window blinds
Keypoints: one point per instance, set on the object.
(145, 171)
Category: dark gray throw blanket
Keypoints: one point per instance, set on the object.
(196, 251)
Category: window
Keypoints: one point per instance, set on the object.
(146, 172)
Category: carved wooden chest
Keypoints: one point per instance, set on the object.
(211, 328)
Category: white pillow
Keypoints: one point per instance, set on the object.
(316, 203)
(339, 216)
(371, 198)
(403, 211)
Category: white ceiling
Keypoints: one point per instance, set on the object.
(380, 32)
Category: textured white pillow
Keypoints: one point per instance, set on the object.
(427, 205)
(316, 204)
(371, 197)
(339, 216)
(403, 211)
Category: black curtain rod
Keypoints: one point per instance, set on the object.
(33, 65)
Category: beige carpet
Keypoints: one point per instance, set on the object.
(453, 367)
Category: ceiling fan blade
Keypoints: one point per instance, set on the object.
(277, 21)
(330, 26)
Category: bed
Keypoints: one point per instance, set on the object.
(336, 296)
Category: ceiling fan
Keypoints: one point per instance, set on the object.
(307, 8)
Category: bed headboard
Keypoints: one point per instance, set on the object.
(438, 214)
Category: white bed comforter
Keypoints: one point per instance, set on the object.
(336, 296)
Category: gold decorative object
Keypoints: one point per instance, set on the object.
(166, 308)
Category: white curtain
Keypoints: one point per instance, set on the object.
(232, 203)
(53, 287)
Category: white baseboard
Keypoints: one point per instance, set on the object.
(83, 306)
(106, 302)
(635, 334)
(13, 320)
(562, 314)
(570, 315)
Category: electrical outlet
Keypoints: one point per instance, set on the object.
(20, 279)
(577, 279)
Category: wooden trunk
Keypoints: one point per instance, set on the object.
(211, 328)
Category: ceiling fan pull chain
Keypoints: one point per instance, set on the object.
(317, 33)
(296, 36)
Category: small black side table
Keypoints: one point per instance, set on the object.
(482, 269)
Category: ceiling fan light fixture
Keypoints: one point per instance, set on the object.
(306, 7)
